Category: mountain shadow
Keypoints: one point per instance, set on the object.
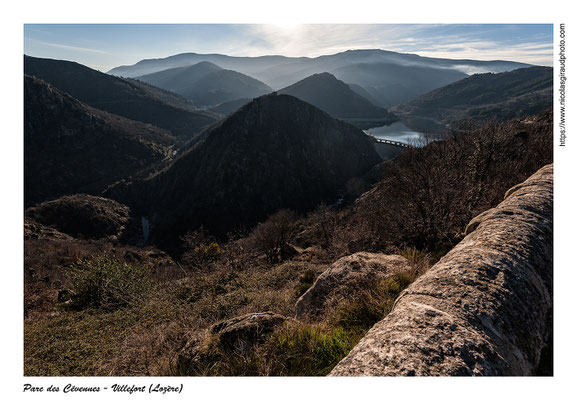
(70, 147)
(207, 84)
(128, 98)
(392, 84)
(275, 152)
(339, 100)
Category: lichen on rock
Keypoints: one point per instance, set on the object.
(484, 309)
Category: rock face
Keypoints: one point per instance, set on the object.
(246, 329)
(483, 309)
(236, 334)
(346, 275)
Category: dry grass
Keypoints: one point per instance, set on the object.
(142, 338)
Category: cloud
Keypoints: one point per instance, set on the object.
(532, 53)
(445, 41)
(129, 44)
(68, 47)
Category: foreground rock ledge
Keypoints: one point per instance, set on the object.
(483, 309)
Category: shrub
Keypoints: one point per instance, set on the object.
(323, 223)
(427, 195)
(200, 249)
(272, 236)
(108, 283)
(369, 306)
(306, 280)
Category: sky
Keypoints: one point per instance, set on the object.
(105, 46)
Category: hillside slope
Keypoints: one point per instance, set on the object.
(70, 147)
(275, 152)
(207, 84)
(280, 71)
(128, 98)
(338, 99)
(502, 96)
(392, 84)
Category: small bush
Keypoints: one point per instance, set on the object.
(306, 280)
(108, 283)
(272, 236)
(301, 288)
(370, 305)
(200, 249)
(323, 222)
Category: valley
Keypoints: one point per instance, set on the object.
(217, 215)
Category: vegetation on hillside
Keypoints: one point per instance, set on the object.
(125, 97)
(109, 308)
(504, 96)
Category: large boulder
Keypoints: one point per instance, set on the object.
(484, 309)
(344, 277)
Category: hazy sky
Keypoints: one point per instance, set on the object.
(106, 46)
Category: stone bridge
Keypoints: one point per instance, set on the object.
(393, 142)
(388, 141)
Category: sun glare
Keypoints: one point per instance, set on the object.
(287, 27)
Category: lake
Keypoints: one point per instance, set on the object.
(398, 132)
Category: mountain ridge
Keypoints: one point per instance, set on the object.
(503, 96)
(128, 98)
(280, 71)
(258, 160)
(280, 58)
(70, 147)
(326, 92)
(207, 84)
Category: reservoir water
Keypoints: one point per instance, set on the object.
(398, 132)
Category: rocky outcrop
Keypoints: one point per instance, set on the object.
(483, 309)
(246, 329)
(345, 276)
(85, 216)
(236, 334)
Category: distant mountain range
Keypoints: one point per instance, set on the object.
(125, 97)
(504, 96)
(376, 65)
(275, 152)
(391, 84)
(339, 100)
(206, 84)
(70, 147)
